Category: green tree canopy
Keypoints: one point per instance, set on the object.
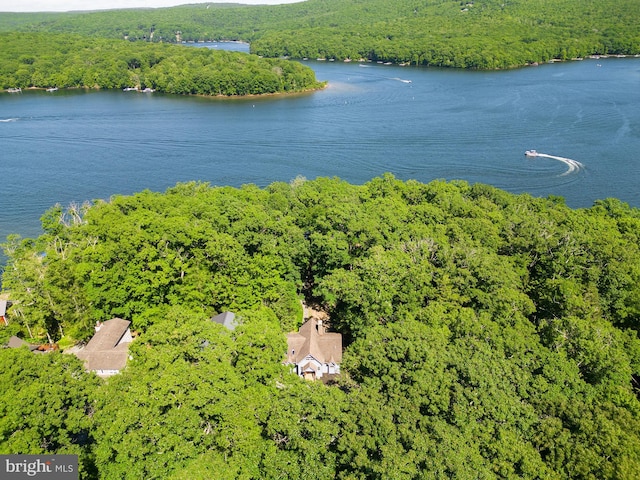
(69, 61)
(479, 34)
(486, 334)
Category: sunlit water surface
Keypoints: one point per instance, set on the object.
(417, 123)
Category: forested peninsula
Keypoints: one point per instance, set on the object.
(477, 34)
(486, 334)
(45, 60)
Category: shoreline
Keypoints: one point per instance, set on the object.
(322, 86)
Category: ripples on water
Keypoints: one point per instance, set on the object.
(414, 122)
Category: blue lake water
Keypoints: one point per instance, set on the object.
(417, 123)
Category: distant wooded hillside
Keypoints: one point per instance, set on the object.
(482, 34)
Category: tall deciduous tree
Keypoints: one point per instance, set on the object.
(46, 405)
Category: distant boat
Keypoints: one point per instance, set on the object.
(130, 89)
(148, 90)
(14, 90)
(52, 89)
(530, 153)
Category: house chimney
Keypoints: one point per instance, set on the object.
(319, 327)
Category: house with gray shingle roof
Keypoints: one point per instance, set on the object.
(17, 342)
(108, 350)
(226, 319)
(313, 352)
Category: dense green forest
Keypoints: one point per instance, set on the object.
(482, 34)
(55, 60)
(488, 335)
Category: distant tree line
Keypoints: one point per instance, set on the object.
(488, 335)
(479, 34)
(65, 61)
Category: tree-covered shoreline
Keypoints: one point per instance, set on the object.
(38, 60)
(487, 334)
(479, 34)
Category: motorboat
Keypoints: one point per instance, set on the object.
(530, 153)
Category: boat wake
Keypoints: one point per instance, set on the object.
(7, 120)
(573, 165)
(400, 80)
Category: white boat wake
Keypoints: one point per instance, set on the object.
(400, 80)
(7, 120)
(574, 165)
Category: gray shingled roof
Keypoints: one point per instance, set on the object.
(109, 335)
(227, 319)
(311, 340)
(16, 342)
(114, 359)
(103, 352)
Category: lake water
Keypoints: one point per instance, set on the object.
(417, 123)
